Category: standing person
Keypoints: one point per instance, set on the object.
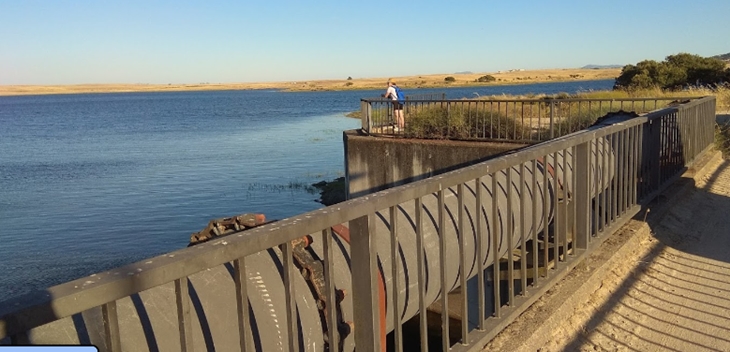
(392, 93)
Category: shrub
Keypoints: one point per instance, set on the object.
(349, 78)
(487, 78)
(450, 79)
(460, 121)
(348, 84)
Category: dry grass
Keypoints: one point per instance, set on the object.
(421, 81)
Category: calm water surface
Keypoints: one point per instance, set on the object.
(93, 181)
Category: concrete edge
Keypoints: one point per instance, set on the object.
(561, 301)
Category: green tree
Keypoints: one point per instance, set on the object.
(674, 72)
(487, 78)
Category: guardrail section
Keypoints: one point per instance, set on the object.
(516, 120)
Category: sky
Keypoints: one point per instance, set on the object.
(49, 42)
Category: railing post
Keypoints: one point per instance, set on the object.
(365, 117)
(182, 299)
(111, 327)
(583, 193)
(365, 291)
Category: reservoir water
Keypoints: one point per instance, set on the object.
(89, 182)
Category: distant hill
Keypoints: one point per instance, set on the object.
(601, 66)
(724, 57)
(463, 73)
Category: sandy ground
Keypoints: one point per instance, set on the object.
(420, 81)
(671, 294)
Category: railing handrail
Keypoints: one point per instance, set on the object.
(535, 100)
(64, 300)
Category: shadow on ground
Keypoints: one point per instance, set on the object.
(677, 296)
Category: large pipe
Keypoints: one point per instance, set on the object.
(407, 254)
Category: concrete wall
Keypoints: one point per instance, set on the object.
(376, 163)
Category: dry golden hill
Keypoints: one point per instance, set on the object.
(421, 81)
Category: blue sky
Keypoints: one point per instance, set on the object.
(131, 41)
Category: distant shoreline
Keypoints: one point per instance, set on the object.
(512, 77)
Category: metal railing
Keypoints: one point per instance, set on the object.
(590, 183)
(516, 120)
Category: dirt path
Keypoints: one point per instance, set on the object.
(674, 295)
(660, 285)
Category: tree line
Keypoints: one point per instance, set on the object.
(675, 72)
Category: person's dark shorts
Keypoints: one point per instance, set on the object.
(397, 105)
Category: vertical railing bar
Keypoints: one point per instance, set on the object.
(640, 172)
(182, 302)
(491, 120)
(462, 267)
(514, 120)
(111, 326)
(643, 162)
(499, 120)
(665, 139)
(535, 256)
(423, 322)
(532, 125)
(539, 121)
(290, 294)
(603, 190)
(596, 189)
(600, 108)
(578, 119)
(470, 129)
(569, 124)
(626, 170)
(556, 217)
(546, 216)
(616, 143)
(612, 184)
(331, 297)
(522, 121)
(574, 187)
(482, 113)
(634, 163)
(523, 233)
(442, 271)
(584, 193)
(657, 147)
(242, 305)
(566, 198)
(481, 255)
(620, 172)
(494, 234)
(509, 218)
(552, 118)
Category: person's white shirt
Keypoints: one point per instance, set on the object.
(390, 93)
